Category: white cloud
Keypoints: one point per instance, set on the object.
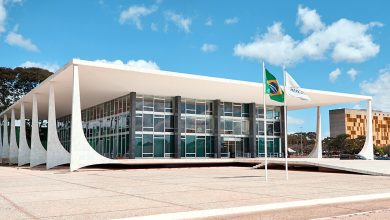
(378, 89)
(208, 48)
(294, 121)
(49, 66)
(144, 64)
(343, 40)
(179, 20)
(15, 39)
(230, 21)
(3, 16)
(309, 20)
(153, 27)
(134, 14)
(334, 75)
(352, 73)
(209, 22)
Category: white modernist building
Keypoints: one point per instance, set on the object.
(103, 113)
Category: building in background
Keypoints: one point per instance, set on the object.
(353, 122)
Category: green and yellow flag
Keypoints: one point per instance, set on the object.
(273, 88)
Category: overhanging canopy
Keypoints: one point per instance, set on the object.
(100, 82)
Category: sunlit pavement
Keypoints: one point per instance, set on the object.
(98, 193)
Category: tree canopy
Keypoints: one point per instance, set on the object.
(14, 83)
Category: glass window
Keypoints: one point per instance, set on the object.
(148, 103)
(260, 127)
(237, 127)
(159, 105)
(190, 145)
(200, 108)
(270, 129)
(148, 121)
(228, 108)
(260, 112)
(169, 123)
(148, 145)
(138, 122)
(270, 114)
(277, 127)
(277, 113)
(245, 110)
(200, 146)
(168, 105)
(245, 127)
(190, 124)
(190, 106)
(200, 126)
(237, 110)
(209, 108)
(158, 146)
(158, 124)
(209, 125)
(182, 124)
(169, 144)
(228, 126)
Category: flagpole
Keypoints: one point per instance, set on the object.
(265, 125)
(285, 123)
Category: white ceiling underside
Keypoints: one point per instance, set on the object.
(103, 82)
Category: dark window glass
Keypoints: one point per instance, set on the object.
(209, 125)
(245, 110)
(200, 126)
(148, 143)
(158, 124)
(270, 129)
(139, 104)
(277, 127)
(209, 108)
(158, 146)
(260, 127)
(228, 108)
(237, 127)
(158, 105)
(237, 110)
(148, 120)
(169, 123)
(200, 108)
(168, 105)
(169, 144)
(182, 124)
(148, 103)
(228, 126)
(260, 112)
(190, 106)
(138, 123)
(190, 125)
(270, 114)
(190, 145)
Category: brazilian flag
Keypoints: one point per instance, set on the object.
(273, 88)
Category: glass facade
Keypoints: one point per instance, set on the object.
(107, 128)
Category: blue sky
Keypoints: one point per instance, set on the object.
(340, 46)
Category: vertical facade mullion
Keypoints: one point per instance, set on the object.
(132, 114)
(252, 129)
(217, 130)
(177, 125)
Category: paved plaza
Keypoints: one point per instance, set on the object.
(103, 193)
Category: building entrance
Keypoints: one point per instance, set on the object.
(232, 148)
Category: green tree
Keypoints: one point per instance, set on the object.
(14, 83)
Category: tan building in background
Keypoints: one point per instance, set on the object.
(353, 123)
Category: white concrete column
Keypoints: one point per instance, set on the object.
(13, 145)
(5, 154)
(56, 153)
(368, 148)
(81, 153)
(38, 152)
(24, 150)
(317, 150)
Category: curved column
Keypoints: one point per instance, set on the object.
(81, 153)
(317, 150)
(13, 145)
(24, 150)
(5, 152)
(368, 148)
(56, 153)
(38, 153)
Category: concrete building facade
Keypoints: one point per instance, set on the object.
(353, 122)
(100, 113)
